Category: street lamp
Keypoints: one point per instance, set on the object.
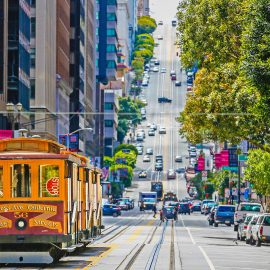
(73, 132)
(14, 114)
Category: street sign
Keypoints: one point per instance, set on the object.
(228, 168)
(242, 158)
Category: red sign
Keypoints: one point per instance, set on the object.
(201, 163)
(53, 185)
(5, 134)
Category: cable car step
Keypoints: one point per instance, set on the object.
(89, 240)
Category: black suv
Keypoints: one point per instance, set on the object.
(164, 100)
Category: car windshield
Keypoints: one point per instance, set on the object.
(226, 209)
(169, 209)
(250, 207)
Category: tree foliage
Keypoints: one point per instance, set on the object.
(146, 24)
(258, 171)
(230, 41)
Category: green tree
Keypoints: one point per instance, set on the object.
(126, 146)
(258, 170)
(144, 39)
(146, 24)
(143, 53)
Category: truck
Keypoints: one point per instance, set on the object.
(147, 199)
(158, 188)
(242, 209)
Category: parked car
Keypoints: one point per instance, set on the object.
(242, 227)
(164, 100)
(242, 209)
(184, 208)
(224, 215)
(159, 37)
(142, 174)
(162, 130)
(156, 63)
(155, 69)
(252, 222)
(261, 230)
(206, 202)
(140, 151)
(180, 170)
(178, 159)
(149, 151)
(153, 126)
(139, 138)
(146, 158)
(111, 210)
(208, 207)
(211, 216)
(173, 77)
(171, 174)
(189, 88)
(193, 154)
(145, 83)
(163, 70)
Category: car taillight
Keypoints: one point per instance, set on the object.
(261, 230)
(245, 226)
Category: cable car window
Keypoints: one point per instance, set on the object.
(21, 180)
(49, 181)
(1, 182)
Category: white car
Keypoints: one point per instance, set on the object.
(193, 161)
(162, 130)
(155, 69)
(146, 158)
(193, 154)
(261, 230)
(159, 37)
(144, 83)
(163, 70)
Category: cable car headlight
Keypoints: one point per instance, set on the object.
(21, 224)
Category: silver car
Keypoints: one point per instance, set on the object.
(242, 228)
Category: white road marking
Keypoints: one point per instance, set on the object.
(212, 267)
(188, 230)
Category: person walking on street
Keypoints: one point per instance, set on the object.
(164, 214)
(161, 215)
(141, 206)
(154, 210)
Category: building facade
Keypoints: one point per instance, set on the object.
(14, 55)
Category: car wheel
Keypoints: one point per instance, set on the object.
(258, 243)
(247, 241)
(115, 215)
(251, 241)
(238, 236)
(215, 224)
(235, 228)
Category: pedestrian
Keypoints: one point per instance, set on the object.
(175, 213)
(141, 206)
(154, 210)
(161, 215)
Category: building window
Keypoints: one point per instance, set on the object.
(111, 17)
(108, 106)
(111, 64)
(108, 123)
(111, 32)
(33, 27)
(49, 181)
(111, 48)
(20, 180)
(33, 88)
